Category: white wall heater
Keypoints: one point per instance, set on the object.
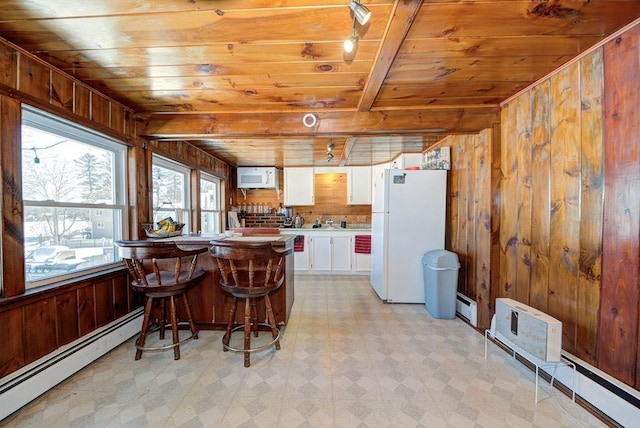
(529, 329)
(467, 309)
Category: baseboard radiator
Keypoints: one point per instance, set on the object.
(23, 386)
(467, 308)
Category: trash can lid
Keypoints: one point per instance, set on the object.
(441, 259)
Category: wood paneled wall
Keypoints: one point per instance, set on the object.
(40, 321)
(34, 326)
(469, 216)
(570, 204)
(618, 329)
(41, 85)
(551, 201)
(563, 193)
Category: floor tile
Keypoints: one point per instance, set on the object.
(346, 360)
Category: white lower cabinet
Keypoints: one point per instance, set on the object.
(321, 252)
(327, 252)
(361, 262)
(302, 259)
(331, 253)
(341, 253)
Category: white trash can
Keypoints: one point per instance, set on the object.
(440, 269)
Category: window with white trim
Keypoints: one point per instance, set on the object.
(210, 197)
(69, 173)
(170, 189)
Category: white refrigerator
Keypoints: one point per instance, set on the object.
(408, 219)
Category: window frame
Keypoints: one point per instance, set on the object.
(50, 123)
(220, 200)
(184, 214)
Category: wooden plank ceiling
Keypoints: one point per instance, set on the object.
(236, 77)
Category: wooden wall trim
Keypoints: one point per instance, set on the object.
(12, 276)
(191, 156)
(496, 154)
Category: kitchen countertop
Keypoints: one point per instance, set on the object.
(326, 228)
(200, 239)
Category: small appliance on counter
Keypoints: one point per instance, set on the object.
(288, 217)
(299, 221)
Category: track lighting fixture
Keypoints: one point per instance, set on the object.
(351, 42)
(360, 12)
(329, 150)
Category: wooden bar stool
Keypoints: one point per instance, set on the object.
(250, 271)
(164, 282)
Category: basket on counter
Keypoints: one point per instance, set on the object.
(164, 228)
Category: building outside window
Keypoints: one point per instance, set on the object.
(71, 176)
(210, 215)
(170, 189)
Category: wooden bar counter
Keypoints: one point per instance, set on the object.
(210, 305)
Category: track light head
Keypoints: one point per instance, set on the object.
(361, 12)
(329, 157)
(350, 44)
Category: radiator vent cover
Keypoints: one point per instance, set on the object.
(529, 329)
(467, 309)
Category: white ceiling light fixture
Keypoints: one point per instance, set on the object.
(360, 12)
(309, 120)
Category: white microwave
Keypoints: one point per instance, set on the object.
(257, 178)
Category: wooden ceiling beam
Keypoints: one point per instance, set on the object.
(400, 20)
(328, 124)
(349, 142)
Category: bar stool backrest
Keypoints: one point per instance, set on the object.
(249, 268)
(134, 252)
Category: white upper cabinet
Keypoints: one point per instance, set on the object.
(299, 186)
(408, 160)
(359, 185)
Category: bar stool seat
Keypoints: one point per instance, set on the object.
(163, 283)
(250, 271)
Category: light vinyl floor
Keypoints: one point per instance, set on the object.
(347, 360)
